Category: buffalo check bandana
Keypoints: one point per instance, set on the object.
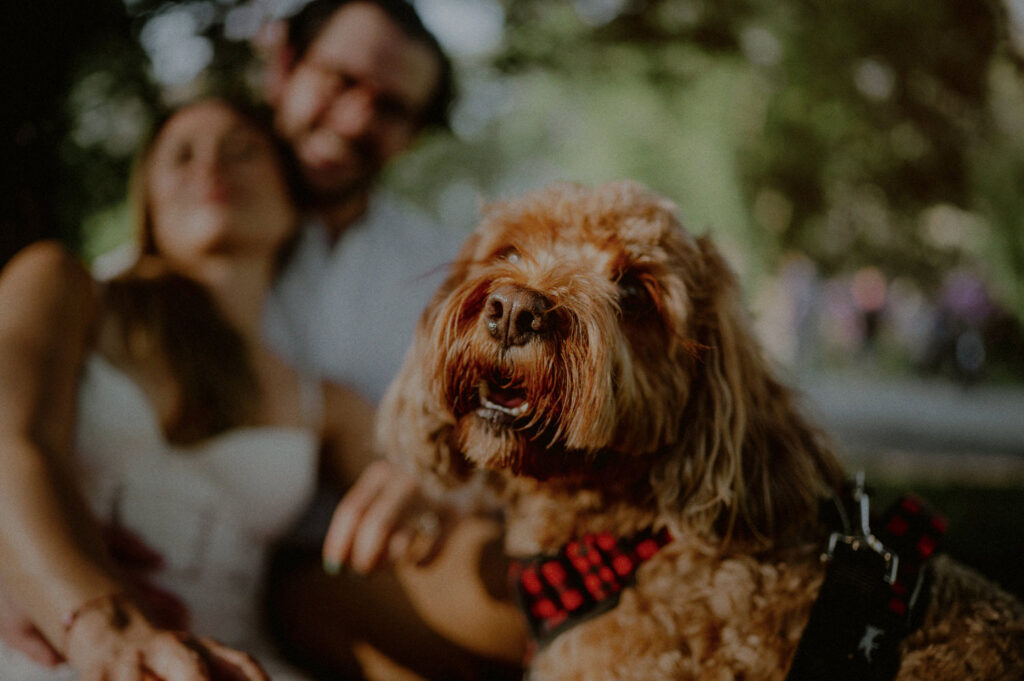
(583, 580)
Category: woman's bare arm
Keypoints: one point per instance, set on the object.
(373, 521)
(55, 565)
(47, 307)
(449, 573)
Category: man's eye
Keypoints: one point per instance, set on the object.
(344, 81)
(239, 149)
(182, 155)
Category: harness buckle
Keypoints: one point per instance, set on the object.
(860, 538)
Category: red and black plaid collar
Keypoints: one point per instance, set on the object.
(587, 576)
(582, 580)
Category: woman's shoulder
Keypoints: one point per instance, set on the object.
(45, 277)
(47, 260)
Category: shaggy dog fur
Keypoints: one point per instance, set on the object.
(632, 394)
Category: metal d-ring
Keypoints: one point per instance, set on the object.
(862, 536)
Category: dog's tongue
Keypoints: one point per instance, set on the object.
(510, 399)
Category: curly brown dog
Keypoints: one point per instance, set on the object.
(593, 359)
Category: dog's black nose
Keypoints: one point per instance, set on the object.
(515, 315)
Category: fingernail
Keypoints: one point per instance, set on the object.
(332, 567)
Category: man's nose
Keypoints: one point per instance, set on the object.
(353, 112)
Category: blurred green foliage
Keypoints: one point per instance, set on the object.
(856, 135)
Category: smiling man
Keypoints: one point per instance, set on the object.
(354, 98)
(353, 86)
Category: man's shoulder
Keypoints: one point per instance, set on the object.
(395, 223)
(387, 210)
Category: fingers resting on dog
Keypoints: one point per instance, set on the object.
(175, 657)
(384, 516)
(228, 664)
(113, 641)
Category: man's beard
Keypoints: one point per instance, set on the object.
(363, 169)
(327, 198)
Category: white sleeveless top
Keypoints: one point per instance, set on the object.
(211, 510)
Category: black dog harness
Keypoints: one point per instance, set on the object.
(875, 590)
(874, 593)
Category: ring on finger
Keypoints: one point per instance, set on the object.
(427, 523)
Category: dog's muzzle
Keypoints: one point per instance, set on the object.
(515, 315)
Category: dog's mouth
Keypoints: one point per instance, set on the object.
(500, 402)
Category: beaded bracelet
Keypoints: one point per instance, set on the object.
(72, 616)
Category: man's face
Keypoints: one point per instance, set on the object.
(354, 100)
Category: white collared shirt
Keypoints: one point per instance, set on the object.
(348, 313)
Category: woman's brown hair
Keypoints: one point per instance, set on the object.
(162, 314)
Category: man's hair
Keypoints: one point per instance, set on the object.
(305, 25)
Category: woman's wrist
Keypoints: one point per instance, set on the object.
(88, 625)
(109, 637)
(103, 602)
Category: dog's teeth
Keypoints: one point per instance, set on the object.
(520, 410)
(516, 411)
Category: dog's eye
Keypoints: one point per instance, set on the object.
(508, 254)
(635, 298)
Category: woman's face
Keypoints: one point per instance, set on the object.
(215, 187)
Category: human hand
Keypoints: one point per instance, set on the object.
(18, 632)
(109, 639)
(384, 516)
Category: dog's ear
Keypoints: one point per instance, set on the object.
(410, 428)
(749, 466)
(411, 425)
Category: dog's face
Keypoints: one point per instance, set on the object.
(584, 335)
(565, 330)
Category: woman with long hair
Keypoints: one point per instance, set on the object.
(147, 408)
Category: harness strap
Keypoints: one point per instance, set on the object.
(865, 608)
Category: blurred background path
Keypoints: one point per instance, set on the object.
(960, 448)
(920, 429)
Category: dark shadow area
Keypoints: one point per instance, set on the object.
(984, 526)
(337, 627)
(48, 45)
